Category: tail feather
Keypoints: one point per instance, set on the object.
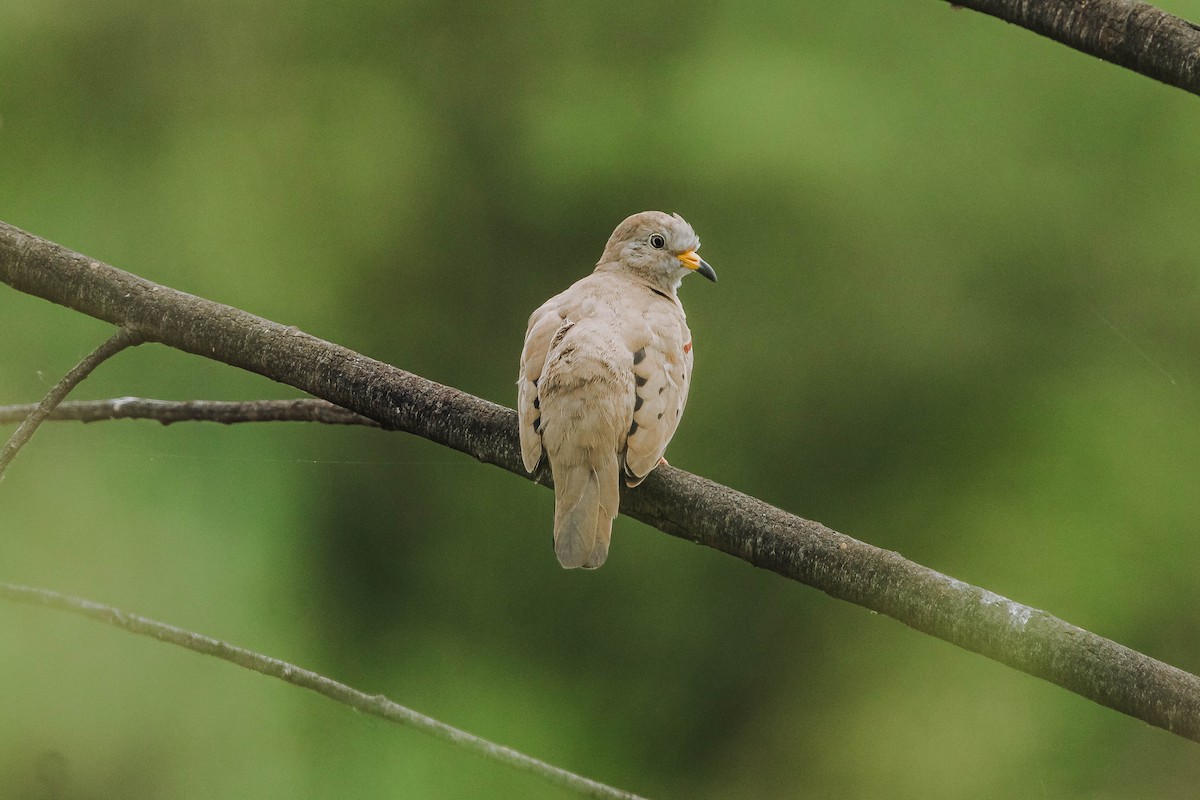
(603, 535)
(586, 499)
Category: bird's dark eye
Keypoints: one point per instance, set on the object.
(657, 241)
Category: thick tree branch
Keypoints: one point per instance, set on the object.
(376, 705)
(671, 500)
(171, 411)
(1130, 34)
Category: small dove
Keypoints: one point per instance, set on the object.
(604, 378)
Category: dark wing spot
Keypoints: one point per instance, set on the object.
(537, 424)
(660, 415)
(639, 356)
(632, 429)
(537, 401)
(660, 389)
(640, 380)
(663, 295)
(637, 403)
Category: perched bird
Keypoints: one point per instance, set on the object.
(604, 378)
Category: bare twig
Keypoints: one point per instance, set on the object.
(125, 337)
(1130, 34)
(670, 499)
(377, 705)
(171, 411)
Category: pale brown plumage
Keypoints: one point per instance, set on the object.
(604, 378)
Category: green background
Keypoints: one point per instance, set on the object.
(957, 318)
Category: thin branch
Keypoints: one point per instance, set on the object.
(1130, 34)
(125, 337)
(670, 499)
(171, 411)
(376, 705)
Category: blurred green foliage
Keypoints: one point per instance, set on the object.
(957, 318)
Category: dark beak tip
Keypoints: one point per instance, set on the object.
(707, 271)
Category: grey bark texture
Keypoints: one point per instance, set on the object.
(1134, 35)
(168, 412)
(671, 500)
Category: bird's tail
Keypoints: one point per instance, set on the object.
(585, 503)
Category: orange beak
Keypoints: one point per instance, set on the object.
(697, 264)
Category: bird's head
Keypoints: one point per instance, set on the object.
(661, 248)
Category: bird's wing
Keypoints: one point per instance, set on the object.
(543, 324)
(662, 372)
(586, 392)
